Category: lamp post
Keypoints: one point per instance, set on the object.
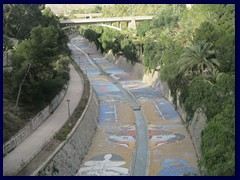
(68, 101)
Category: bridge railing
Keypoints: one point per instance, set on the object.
(113, 19)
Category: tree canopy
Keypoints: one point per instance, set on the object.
(39, 67)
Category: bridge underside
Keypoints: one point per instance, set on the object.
(114, 23)
(117, 26)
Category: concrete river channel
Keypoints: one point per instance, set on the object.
(139, 133)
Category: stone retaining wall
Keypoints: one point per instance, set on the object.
(195, 128)
(67, 158)
(25, 132)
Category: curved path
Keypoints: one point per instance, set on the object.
(139, 132)
(139, 166)
(24, 152)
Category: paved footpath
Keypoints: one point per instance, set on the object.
(26, 150)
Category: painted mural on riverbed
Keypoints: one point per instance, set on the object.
(126, 136)
(170, 149)
(104, 165)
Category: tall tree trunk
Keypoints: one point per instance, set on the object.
(20, 86)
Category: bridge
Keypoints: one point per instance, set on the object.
(131, 21)
(87, 16)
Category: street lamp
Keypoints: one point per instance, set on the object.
(68, 100)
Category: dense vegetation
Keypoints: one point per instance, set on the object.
(111, 40)
(86, 10)
(38, 67)
(194, 50)
(119, 10)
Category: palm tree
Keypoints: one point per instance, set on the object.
(198, 59)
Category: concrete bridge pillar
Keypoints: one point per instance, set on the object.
(132, 24)
(119, 25)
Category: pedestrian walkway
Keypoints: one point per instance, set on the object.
(24, 152)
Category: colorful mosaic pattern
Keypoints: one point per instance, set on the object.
(176, 167)
(126, 136)
(104, 165)
(166, 110)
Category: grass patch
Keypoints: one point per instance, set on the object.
(66, 129)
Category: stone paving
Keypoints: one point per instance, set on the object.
(171, 151)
